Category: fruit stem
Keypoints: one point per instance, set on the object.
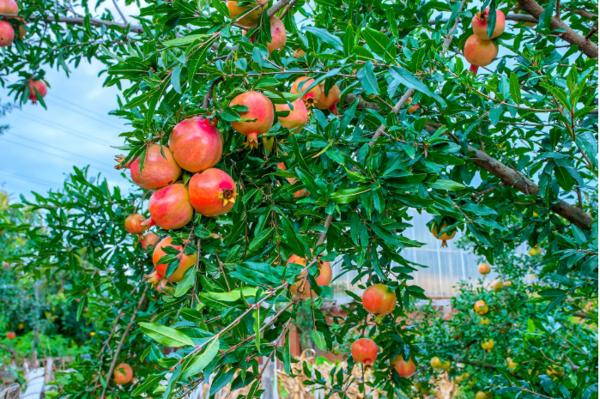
(474, 69)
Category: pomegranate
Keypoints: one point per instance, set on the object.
(196, 144)
(170, 207)
(301, 193)
(246, 15)
(298, 53)
(479, 24)
(11, 335)
(7, 34)
(364, 350)
(379, 300)
(159, 168)
(484, 268)
(481, 307)
(296, 117)
(325, 274)
(149, 240)
(123, 374)
(291, 180)
(134, 224)
(212, 192)
(257, 119)
(160, 269)
(443, 237)
(330, 99)
(480, 52)
(278, 33)
(310, 97)
(37, 88)
(9, 7)
(405, 369)
(296, 259)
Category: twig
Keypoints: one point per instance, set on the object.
(120, 12)
(122, 341)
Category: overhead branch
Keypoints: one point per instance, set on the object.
(565, 31)
(93, 21)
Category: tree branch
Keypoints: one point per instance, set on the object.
(568, 34)
(93, 21)
(515, 179)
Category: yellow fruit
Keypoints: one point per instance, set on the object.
(484, 268)
(484, 321)
(92, 333)
(436, 363)
(487, 345)
(496, 285)
(511, 364)
(534, 251)
(481, 307)
(481, 395)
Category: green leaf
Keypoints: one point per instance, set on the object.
(515, 87)
(184, 285)
(326, 37)
(409, 80)
(379, 44)
(166, 335)
(368, 81)
(448, 185)
(183, 41)
(230, 296)
(199, 361)
(319, 339)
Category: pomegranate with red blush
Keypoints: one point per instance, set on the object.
(196, 144)
(170, 207)
(212, 192)
(158, 170)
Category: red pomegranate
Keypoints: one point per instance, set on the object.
(9, 7)
(7, 34)
(134, 224)
(330, 100)
(185, 261)
(11, 335)
(170, 207)
(296, 117)
(278, 33)
(257, 119)
(310, 97)
(149, 240)
(364, 350)
(159, 168)
(379, 299)
(291, 180)
(212, 192)
(196, 144)
(37, 88)
(325, 274)
(479, 24)
(123, 374)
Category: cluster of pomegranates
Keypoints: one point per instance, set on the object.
(9, 9)
(259, 113)
(301, 288)
(379, 300)
(480, 50)
(196, 146)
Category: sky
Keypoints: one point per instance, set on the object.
(42, 146)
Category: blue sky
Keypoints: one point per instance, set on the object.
(42, 146)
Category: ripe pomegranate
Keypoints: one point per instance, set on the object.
(37, 88)
(497, 285)
(330, 99)
(484, 268)
(481, 307)
(11, 335)
(310, 97)
(278, 33)
(480, 52)
(158, 170)
(257, 119)
(185, 261)
(296, 117)
(325, 274)
(9, 7)
(291, 180)
(414, 107)
(7, 34)
(196, 144)
(251, 12)
(379, 300)
(301, 193)
(149, 240)
(444, 237)
(212, 192)
(123, 374)
(479, 24)
(298, 53)
(296, 259)
(134, 224)
(405, 369)
(170, 207)
(364, 350)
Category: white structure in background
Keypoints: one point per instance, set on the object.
(443, 267)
